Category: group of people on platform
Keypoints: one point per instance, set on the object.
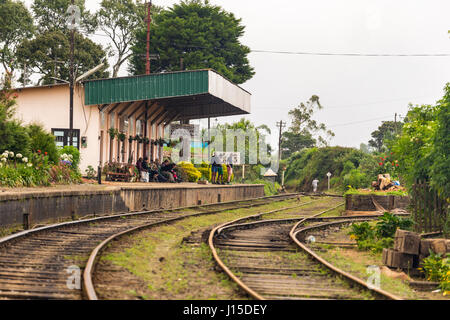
(217, 169)
(156, 171)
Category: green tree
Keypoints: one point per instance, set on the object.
(386, 132)
(293, 142)
(43, 141)
(52, 15)
(16, 24)
(203, 35)
(119, 20)
(304, 124)
(423, 147)
(41, 52)
(13, 137)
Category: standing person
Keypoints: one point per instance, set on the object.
(213, 168)
(219, 179)
(229, 168)
(314, 184)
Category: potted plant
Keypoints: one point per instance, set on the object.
(112, 133)
(121, 136)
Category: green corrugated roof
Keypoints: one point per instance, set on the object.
(148, 87)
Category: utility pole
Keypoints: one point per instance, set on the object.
(71, 75)
(281, 125)
(147, 70)
(396, 131)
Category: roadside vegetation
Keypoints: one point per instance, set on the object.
(28, 154)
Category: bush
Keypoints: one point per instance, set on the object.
(74, 153)
(193, 175)
(375, 238)
(43, 142)
(270, 188)
(437, 268)
(390, 223)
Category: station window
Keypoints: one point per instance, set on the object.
(62, 137)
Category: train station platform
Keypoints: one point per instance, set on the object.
(54, 204)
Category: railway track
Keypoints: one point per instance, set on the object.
(269, 259)
(36, 264)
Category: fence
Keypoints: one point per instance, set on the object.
(430, 212)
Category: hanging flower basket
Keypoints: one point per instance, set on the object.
(113, 133)
(130, 139)
(146, 140)
(121, 136)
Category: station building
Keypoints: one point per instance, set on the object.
(136, 105)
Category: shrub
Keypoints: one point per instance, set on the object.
(375, 238)
(193, 175)
(390, 223)
(437, 268)
(43, 142)
(74, 152)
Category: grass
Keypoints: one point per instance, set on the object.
(176, 270)
(357, 261)
(377, 193)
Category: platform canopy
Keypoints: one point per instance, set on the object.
(184, 95)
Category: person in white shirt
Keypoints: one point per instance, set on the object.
(314, 184)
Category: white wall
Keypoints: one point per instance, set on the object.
(49, 106)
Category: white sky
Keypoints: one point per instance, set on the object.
(357, 92)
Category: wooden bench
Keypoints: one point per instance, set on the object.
(120, 172)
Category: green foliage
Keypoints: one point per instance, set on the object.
(304, 125)
(13, 136)
(119, 19)
(437, 268)
(390, 223)
(51, 15)
(193, 175)
(386, 132)
(90, 172)
(423, 148)
(375, 238)
(74, 153)
(345, 164)
(202, 34)
(16, 24)
(270, 188)
(43, 142)
(39, 52)
(294, 142)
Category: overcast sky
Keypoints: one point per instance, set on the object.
(357, 92)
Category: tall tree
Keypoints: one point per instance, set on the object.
(119, 20)
(48, 54)
(304, 124)
(16, 24)
(292, 142)
(194, 35)
(385, 132)
(52, 15)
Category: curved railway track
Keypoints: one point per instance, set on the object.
(36, 264)
(269, 259)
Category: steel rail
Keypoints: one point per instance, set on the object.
(293, 235)
(24, 233)
(223, 266)
(88, 285)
